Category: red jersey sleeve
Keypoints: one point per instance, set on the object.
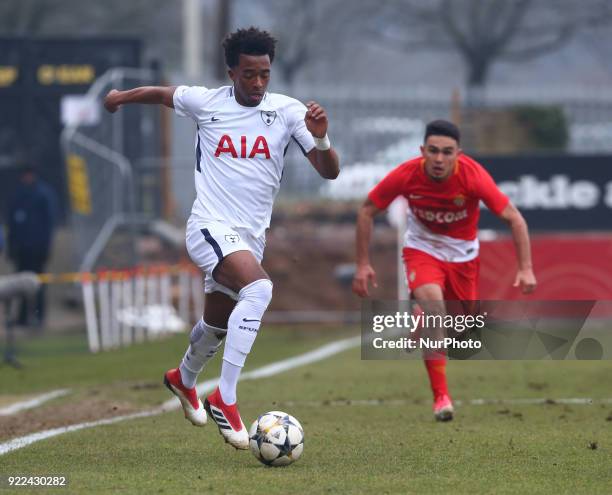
(486, 189)
(389, 188)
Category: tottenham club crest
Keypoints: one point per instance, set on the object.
(232, 238)
(268, 117)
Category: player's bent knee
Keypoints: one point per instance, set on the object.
(428, 292)
(245, 320)
(259, 291)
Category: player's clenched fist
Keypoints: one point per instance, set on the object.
(525, 279)
(364, 275)
(110, 101)
(316, 119)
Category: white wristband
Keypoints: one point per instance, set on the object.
(322, 144)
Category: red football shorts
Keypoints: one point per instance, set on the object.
(459, 281)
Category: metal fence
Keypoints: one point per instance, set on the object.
(383, 127)
(119, 173)
(104, 157)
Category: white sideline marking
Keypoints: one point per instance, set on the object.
(275, 368)
(18, 443)
(33, 402)
(584, 401)
(265, 371)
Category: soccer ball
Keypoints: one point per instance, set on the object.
(276, 438)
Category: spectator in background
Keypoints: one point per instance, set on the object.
(30, 223)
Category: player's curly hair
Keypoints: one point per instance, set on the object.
(251, 41)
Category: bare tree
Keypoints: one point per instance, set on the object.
(296, 39)
(146, 19)
(224, 13)
(483, 32)
(21, 17)
(306, 30)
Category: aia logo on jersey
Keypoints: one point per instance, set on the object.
(259, 147)
(268, 117)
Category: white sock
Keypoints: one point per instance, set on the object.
(229, 379)
(204, 342)
(242, 328)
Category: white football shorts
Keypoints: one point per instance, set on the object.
(209, 241)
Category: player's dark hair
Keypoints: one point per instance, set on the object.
(251, 41)
(442, 128)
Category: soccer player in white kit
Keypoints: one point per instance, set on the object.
(242, 135)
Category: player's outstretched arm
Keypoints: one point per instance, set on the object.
(525, 278)
(364, 274)
(160, 95)
(323, 157)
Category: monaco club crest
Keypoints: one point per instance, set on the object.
(268, 117)
(459, 200)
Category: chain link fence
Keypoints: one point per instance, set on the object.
(376, 129)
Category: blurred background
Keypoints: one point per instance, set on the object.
(528, 81)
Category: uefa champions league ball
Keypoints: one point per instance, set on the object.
(276, 438)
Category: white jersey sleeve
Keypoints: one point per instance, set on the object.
(189, 101)
(299, 133)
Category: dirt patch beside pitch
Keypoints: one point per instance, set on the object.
(56, 414)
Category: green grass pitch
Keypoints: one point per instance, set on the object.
(368, 425)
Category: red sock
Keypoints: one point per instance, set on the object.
(436, 369)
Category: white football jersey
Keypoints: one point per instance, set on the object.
(239, 152)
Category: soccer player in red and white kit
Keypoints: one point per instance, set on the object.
(243, 132)
(443, 188)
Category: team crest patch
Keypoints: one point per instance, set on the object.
(267, 117)
(459, 200)
(412, 276)
(232, 238)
